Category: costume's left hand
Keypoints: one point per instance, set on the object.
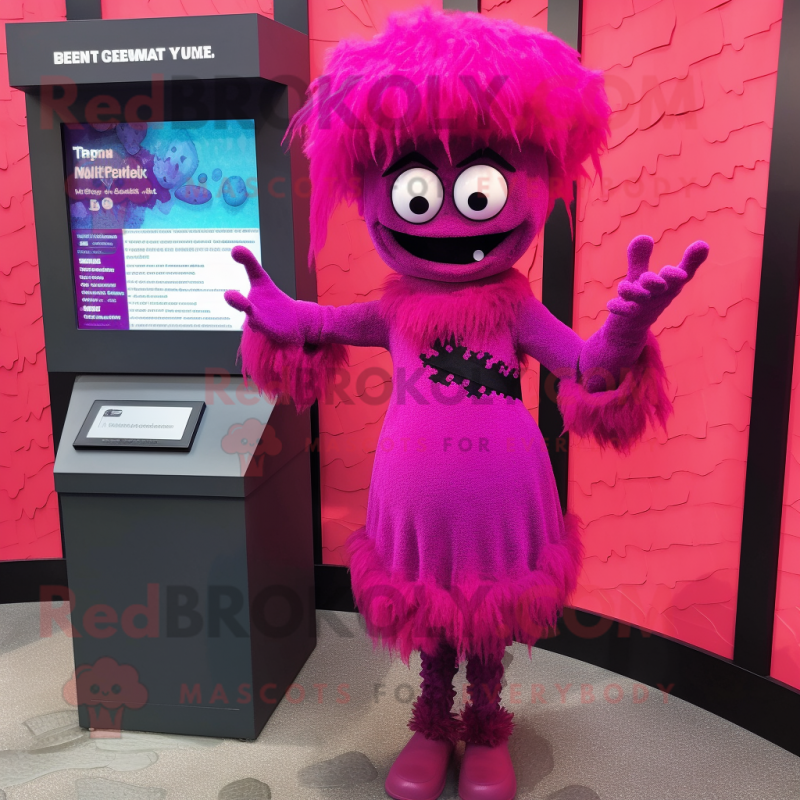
(643, 295)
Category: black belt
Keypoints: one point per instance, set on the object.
(472, 369)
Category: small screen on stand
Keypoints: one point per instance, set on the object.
(155, 209)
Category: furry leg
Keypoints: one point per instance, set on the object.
(484, 720)
(433, 709)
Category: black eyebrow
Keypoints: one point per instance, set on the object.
(409, 158)
(488, 154)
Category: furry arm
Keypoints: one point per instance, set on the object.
(614, 384)
(292, 348)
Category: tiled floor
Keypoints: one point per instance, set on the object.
(596, 735)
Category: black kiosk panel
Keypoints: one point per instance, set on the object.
(247, 70)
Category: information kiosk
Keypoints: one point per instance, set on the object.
(156, 146)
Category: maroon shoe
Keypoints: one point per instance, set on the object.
(487, 773)
(420, 771)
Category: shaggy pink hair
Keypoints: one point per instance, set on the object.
(443, 75)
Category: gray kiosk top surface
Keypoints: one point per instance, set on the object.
(221, 457)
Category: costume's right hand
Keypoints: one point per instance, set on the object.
(268, 309)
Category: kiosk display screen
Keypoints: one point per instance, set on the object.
(155, 208)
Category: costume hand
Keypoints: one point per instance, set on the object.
(268, 309)
(643, 295)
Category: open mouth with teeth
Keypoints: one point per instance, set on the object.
(449, 249)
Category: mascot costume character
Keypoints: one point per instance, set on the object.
(455, 135)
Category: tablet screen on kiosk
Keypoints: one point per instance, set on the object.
(155, 208)
(140, 424)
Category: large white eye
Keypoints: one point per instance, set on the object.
(480, 192)
(417, 195)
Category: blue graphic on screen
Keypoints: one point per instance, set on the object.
(155, 209)
(176, 155)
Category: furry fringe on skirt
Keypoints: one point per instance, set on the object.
(478, 617)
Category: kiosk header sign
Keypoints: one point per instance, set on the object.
(134, 50)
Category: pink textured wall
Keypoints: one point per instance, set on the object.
(526, 12)
(350, 271)
(692, 85)
(136, 9)
(28, 506)
(786, 639)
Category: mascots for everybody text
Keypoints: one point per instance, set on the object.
(455, 135)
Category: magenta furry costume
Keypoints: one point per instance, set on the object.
(455, 134)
